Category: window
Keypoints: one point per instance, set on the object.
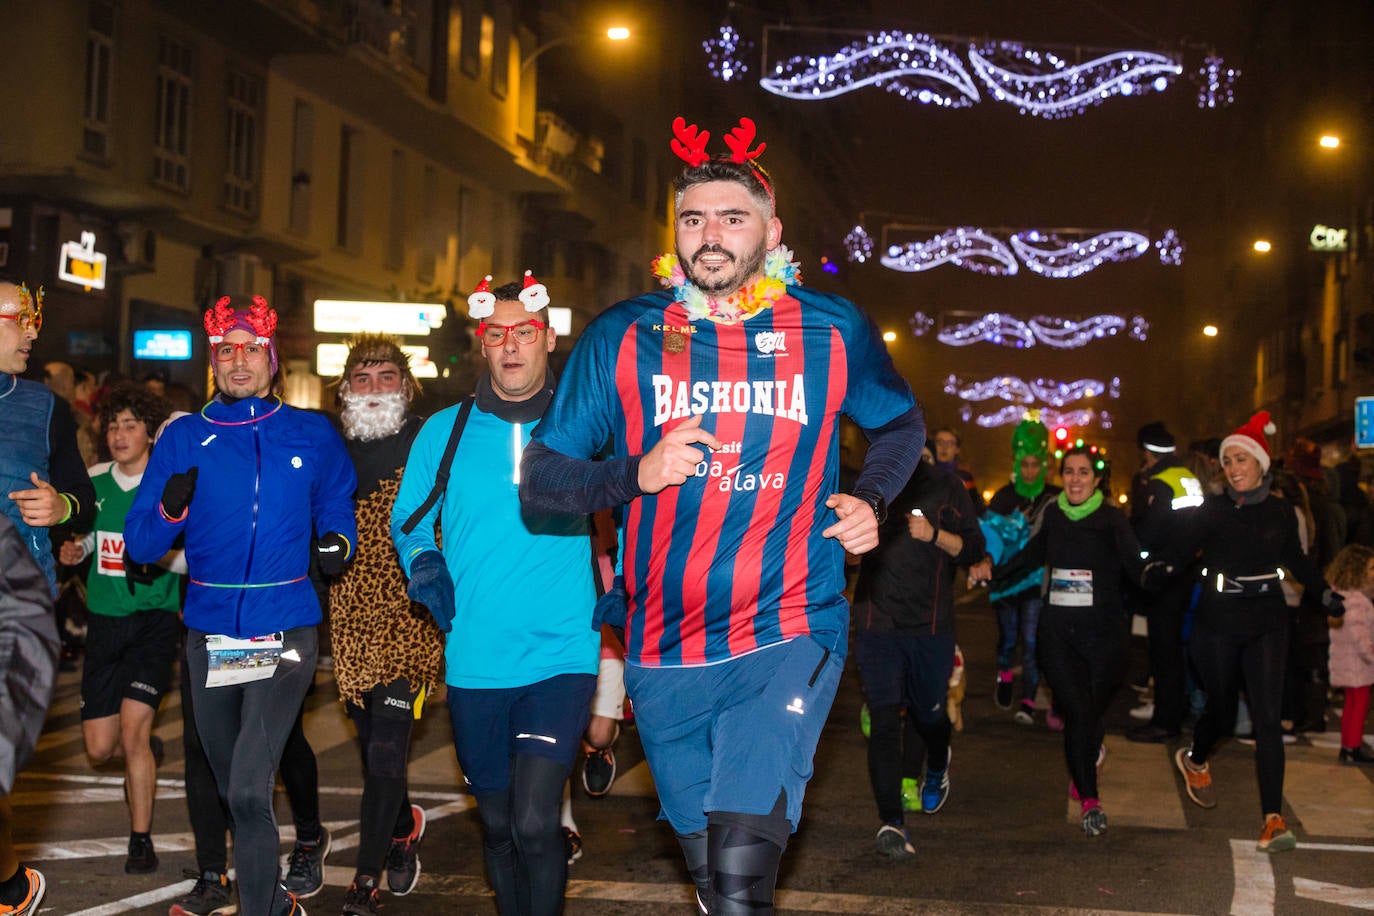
(470, 46)
(302, 146)
(95, 137)
(172, 137)
(639, 171)
(431, 235)
(241, 143)
(500, 52)
(396, 228)
(348, 229)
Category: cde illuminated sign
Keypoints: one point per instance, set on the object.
(1326, 238)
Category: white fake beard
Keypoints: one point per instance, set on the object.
(373, 416)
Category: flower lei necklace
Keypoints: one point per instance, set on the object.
(779, 271)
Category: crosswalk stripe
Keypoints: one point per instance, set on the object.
(1327, 798)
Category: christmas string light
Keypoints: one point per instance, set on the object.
(1215, 82)
(1170, 248)
(1018, 390)
(859, 244)
(1049, 255)
(912, 65)
(1053, 254)
(1010, 331)
(1039, 82)
(965, 246)
(1049, 416)
(1042, 84)
(725, 54)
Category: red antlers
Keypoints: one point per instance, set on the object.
(688, 143)
(739, 139)
(263, 319)
(221, 319)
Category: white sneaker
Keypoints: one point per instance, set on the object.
(1144, 712)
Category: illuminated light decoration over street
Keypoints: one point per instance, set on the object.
(931, 71)
(725, 54)
(1055, 254)
(1020, 391)
(1013, 413)
(1010, 331)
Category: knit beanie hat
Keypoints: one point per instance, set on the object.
(1251, 437)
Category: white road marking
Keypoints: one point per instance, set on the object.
(1359, 898)
(1254, 880)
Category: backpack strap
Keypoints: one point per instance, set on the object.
(445, 465)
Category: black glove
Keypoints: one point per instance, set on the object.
(432, 586)
(140, 573)
(177, 493)
(1155, 574)
(1334, 603)
(331, 551)
(612, 608)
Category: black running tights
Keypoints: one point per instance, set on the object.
(522, 838)
(384, 739)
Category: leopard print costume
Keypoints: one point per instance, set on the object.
(378, 636)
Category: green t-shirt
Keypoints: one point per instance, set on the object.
(107, 592)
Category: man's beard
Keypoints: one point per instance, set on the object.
(373, 416)
(722, 283)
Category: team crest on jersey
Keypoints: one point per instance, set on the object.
(770, 342)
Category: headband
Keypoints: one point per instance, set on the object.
(689, 145)
(533, 294)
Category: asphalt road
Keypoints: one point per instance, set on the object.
(1008, 841)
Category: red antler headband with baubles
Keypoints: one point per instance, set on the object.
(260, 319)
(482, 303)
(689, 145)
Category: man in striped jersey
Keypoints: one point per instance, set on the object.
(721, 402)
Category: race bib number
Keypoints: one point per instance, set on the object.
(241, 661)
(109, 548)
(1071, 587)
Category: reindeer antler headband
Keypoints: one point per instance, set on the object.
(261, 320)
(689, 145)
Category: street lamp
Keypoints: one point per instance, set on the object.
(1329, 141)
(614, 33)
(1262, 246)
(890, 336)
(1209, 330)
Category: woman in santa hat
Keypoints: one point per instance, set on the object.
(1248, 543)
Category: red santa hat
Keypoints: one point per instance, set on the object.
(482, 303)
(1251, 438)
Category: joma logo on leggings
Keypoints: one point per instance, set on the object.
(392, 701)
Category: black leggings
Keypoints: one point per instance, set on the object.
(895, 743)
(1221, 659)
(1082, 653)
(522, 838)
(384, 739)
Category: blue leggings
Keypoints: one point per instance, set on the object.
(1017, 619)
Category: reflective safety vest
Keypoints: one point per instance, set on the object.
(1186, 488)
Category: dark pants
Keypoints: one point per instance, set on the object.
(1083, 655)
(384, 738)
(1222, 659)
(1168, 660)
(244, 729)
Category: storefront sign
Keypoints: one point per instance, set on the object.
(330, 357)
(1364, 422)
(1326, 238)
(81, 264)
(343, 316)
(175, 344)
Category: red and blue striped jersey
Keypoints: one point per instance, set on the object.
(733, 560)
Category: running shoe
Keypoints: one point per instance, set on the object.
(403, 858)
(1053, 720)
(27, 905)
(572, 844)
(598, 771)
(1276, 836)
(1094, 821)
(894, 843)
(210, 896)
(142, 859)
(361, 898)
(1003, 693)
(935, 787)
(305, 867)
(1196, 779)
(287, 904)
(865, 721)
(1144, 712)
(1026, 714)
(911, 794)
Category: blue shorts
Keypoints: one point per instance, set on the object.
(490, 726)
(909, 671)
(732, 736)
